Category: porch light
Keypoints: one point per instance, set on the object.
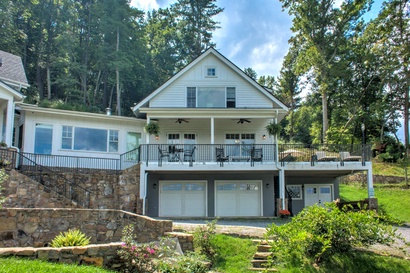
(154, 186)
(267, 185)
(264, 137)
(157, 137)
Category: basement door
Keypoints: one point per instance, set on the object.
(318, 194)
(238, 198)
(182, 198)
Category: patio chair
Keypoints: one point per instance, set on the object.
(256, 155)
(345, 156)
(220, 156)
(161, 155)
(189, 156)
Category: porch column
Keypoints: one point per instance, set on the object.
(212, 130)
(147, 135)
(370, 189)
(9, 123)
(282, 187)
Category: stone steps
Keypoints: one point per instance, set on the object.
(260, 261)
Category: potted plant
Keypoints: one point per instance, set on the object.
(152, 128)
(284, 213)
(3, 144)
(273, 128)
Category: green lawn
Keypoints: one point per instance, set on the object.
(16, 265)
(395, 201)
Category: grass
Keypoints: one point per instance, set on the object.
(235, 254)
(395, 201)
(384, 168)
(17, 265)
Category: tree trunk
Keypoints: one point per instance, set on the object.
(48, 83)
(325, 118)
(117, 72)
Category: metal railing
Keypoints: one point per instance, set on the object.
(324, 153)
(207, 153)
(61, 163)
(130, 158)
(50, 178)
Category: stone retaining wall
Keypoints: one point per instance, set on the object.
(108, 190)
(37, 227)
(99, 255)
(381, 179)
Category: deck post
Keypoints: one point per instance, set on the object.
(282, 186)
(370, 189)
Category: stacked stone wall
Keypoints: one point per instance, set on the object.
(37, 227)
(108, 190)
(379, 179)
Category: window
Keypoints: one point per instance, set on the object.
(173, 139)
(211, 97)
(43, 139)
(67, 137)
(230, 97)
(191, 97)
(133, 140)
(295, 191)
(211, 72)
(241, 144)
(89, 139)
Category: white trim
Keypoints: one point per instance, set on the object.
(300, 191)
(332, 190)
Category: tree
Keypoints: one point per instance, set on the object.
(322, 29)
(251, 73)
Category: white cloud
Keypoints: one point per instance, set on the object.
(145, 4)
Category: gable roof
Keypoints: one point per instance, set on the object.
(12, 70)
(15, 93)
(222, 58)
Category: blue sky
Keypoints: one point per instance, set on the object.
(253, 33)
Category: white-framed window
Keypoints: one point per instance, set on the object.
(241, 144)
(295, 191)
(43, 138)
(89, 139)
(211, 72)
(211, 97)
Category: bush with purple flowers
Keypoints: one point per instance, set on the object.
(204, 240)
(137, 258)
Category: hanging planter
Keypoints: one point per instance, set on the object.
(273, 128)
(152, 128)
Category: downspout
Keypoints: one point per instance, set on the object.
(143, 187)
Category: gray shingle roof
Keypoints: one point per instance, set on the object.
(12, 68)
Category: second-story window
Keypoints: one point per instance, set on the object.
(211, 97)
(230, 97)
(191, 97)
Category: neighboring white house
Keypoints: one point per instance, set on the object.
(12, 80)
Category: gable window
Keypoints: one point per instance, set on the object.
(211, 72)
(211, 97)
(89, 139)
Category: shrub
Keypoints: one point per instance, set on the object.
(191, 262)
(319, 232)
(70, 238)
(136, 258)
(204, 240)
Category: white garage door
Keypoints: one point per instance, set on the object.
(182, 198)
(239, 198)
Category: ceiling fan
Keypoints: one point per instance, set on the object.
(242, 120)
(180, 120)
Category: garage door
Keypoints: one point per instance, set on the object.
(182, 199)
(239, 198)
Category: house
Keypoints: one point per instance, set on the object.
(211, 157)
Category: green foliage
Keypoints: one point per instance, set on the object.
(319, 232)
(72, 237)
(190, 262)
(273, 128)
(152, 128)
(204, 240)
(3, 177)
(137, 258)
(18, 265)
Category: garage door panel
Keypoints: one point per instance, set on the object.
(182, 199)
(238, 198)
